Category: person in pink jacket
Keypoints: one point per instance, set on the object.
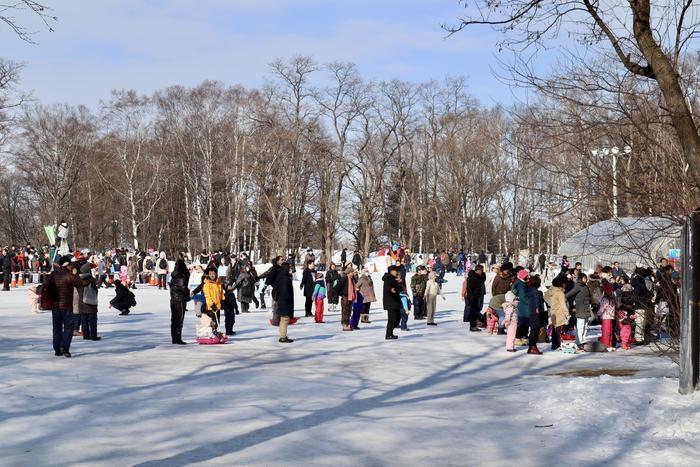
(606, 313)
(510, 323)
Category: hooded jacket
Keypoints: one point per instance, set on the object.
(160, 270)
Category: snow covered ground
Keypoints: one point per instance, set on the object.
(437, 396)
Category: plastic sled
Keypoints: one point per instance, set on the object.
(213, 340)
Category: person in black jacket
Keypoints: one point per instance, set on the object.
(283, 290)
(179, 296)
(392, 301)
(537, 315)
(332, 276)
(7, 269)
(123, 300)
(476, 289)
(357, 260)
(307, 285)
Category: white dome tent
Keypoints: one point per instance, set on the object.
(630, 240)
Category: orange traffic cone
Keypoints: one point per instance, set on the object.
(20, 281)
(154, 282)
(13, 283)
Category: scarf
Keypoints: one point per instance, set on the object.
(352, 291)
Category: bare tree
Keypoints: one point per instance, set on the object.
(129, 147)
(648, 40)
(9, 12)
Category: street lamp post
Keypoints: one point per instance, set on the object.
(614, 151)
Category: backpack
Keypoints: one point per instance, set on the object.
(149, 263)
(163, 264)
(90, 295)
(132, 299)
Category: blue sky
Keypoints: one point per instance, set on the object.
(99, 45)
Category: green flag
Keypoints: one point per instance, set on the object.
(50, 234)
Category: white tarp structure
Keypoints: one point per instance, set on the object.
(630, 240)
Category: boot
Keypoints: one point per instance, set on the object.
(346, 327)
(365, 319)
(533, 350)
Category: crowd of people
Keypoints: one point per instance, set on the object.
(630, 308)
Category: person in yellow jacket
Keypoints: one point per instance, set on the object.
(213, 296)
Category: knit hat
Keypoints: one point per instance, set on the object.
(523, 274)
(510, 297)
(608, 288)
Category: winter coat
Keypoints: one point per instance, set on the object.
(123, 298)
(357, 260)
(179, 287)
(558, 311)
(596, 291)
(283, 292)
(63, 284)
(213, 294)
(510, 309)
(307, 282)
(502, 284)
(159, 269)
(520, 289)
(392, 289)
(432, 289)
(538, 314)
(84, 308)
(366, 287)
(7, 264)
(475, 286)
(133, 270)
(607, 308)
(331, 276)
(246, 286)
(582, 299)
(418, 283)
(641, 291)
(439, 269)
(341, 287)
(319, 290)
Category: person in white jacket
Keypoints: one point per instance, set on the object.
(162, 271)
(432, 290)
